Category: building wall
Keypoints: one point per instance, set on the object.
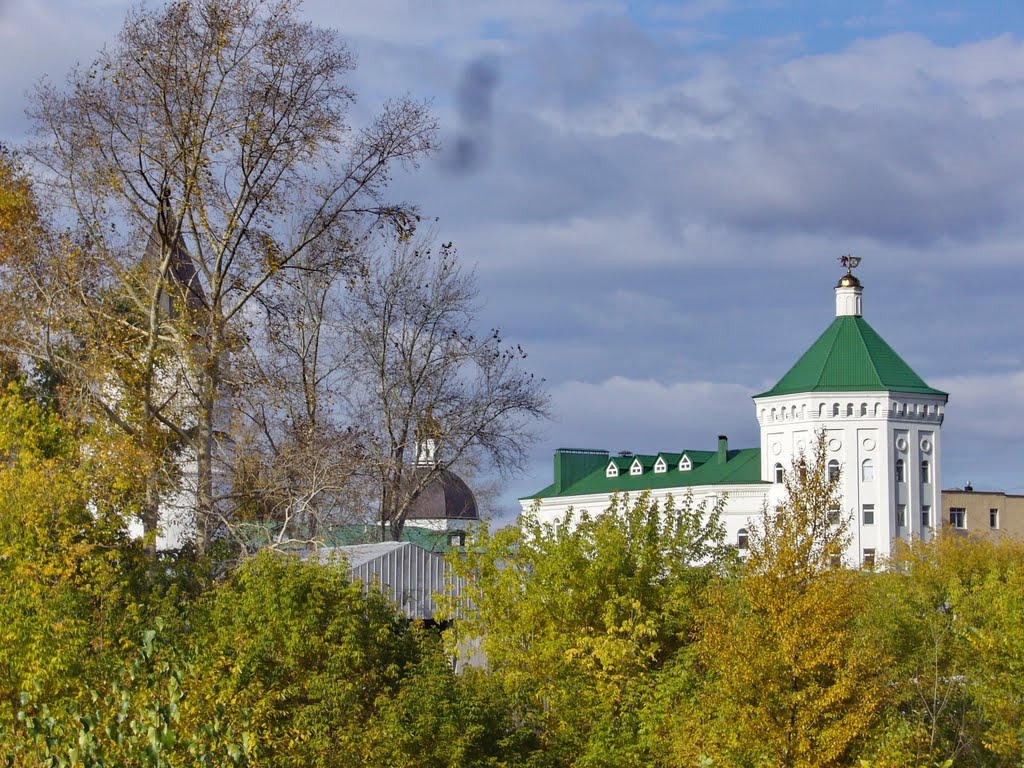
(743, 504)
(977, 506)
(862, 430)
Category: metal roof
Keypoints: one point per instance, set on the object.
(408, 575)
(850, 356)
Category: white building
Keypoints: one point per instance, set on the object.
(882, 426)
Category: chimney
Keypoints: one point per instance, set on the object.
(573, 464)
(723, 449)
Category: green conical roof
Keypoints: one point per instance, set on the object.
(850, 356)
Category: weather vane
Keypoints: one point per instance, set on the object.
(850, 262)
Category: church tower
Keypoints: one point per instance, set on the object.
(882, 426)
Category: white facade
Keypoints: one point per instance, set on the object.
(866, 434)
(744, 503)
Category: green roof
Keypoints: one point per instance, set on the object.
(850, 356)
(740, 467)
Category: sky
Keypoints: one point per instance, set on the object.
(655, 194)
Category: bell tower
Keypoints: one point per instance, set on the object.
(881, 423)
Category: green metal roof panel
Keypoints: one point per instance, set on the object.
(850, 356)
(742, 467)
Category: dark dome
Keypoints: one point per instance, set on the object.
(447, 497)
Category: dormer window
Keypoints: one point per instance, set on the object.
(685, 465)
(612, 471)
(660, 466)
(636, 468)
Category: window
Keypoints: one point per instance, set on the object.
(660, 465)
(993, 518)
(636, 468)
(832, 515)
(612, 471)
(901, 515)
(869, 558)
(867, 471)
(869, 514)
(833, 470)
(685, 465)
(849, 409)
(926, 516)
(835, 409)
(863, 409)
(957, 517)
(926, 471)
(742, 537)
(901, 471)
(779, 473)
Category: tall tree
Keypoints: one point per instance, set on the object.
(217, 129)
(427, 390)
(790, 681)
(576, 620)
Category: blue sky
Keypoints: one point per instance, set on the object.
(656, 193)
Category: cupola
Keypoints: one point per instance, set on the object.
(848, 291)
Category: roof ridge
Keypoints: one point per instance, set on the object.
(871, 358)
(827, 357)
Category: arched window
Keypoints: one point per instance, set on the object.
(779, 473)
(926, 471)
(835, 409)
(742, 538)
(867, 471)
(833, 470)
(774, 414)
(901, 471)
(863, 409)
(849, 409)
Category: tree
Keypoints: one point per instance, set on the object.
(577, 620)
(790, 677)
(66, 565)
(218, 130)
(947, 618)
(425, 389)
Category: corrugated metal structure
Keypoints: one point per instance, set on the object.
(407, 574)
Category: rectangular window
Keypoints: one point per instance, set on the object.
(993, 518)
(869, 558)
(926, 472)
(869, 514)
(901, 471)
(901, 515)
(957, 517)
(833, 515)
(926, 516)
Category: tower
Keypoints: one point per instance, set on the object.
(882, 426)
